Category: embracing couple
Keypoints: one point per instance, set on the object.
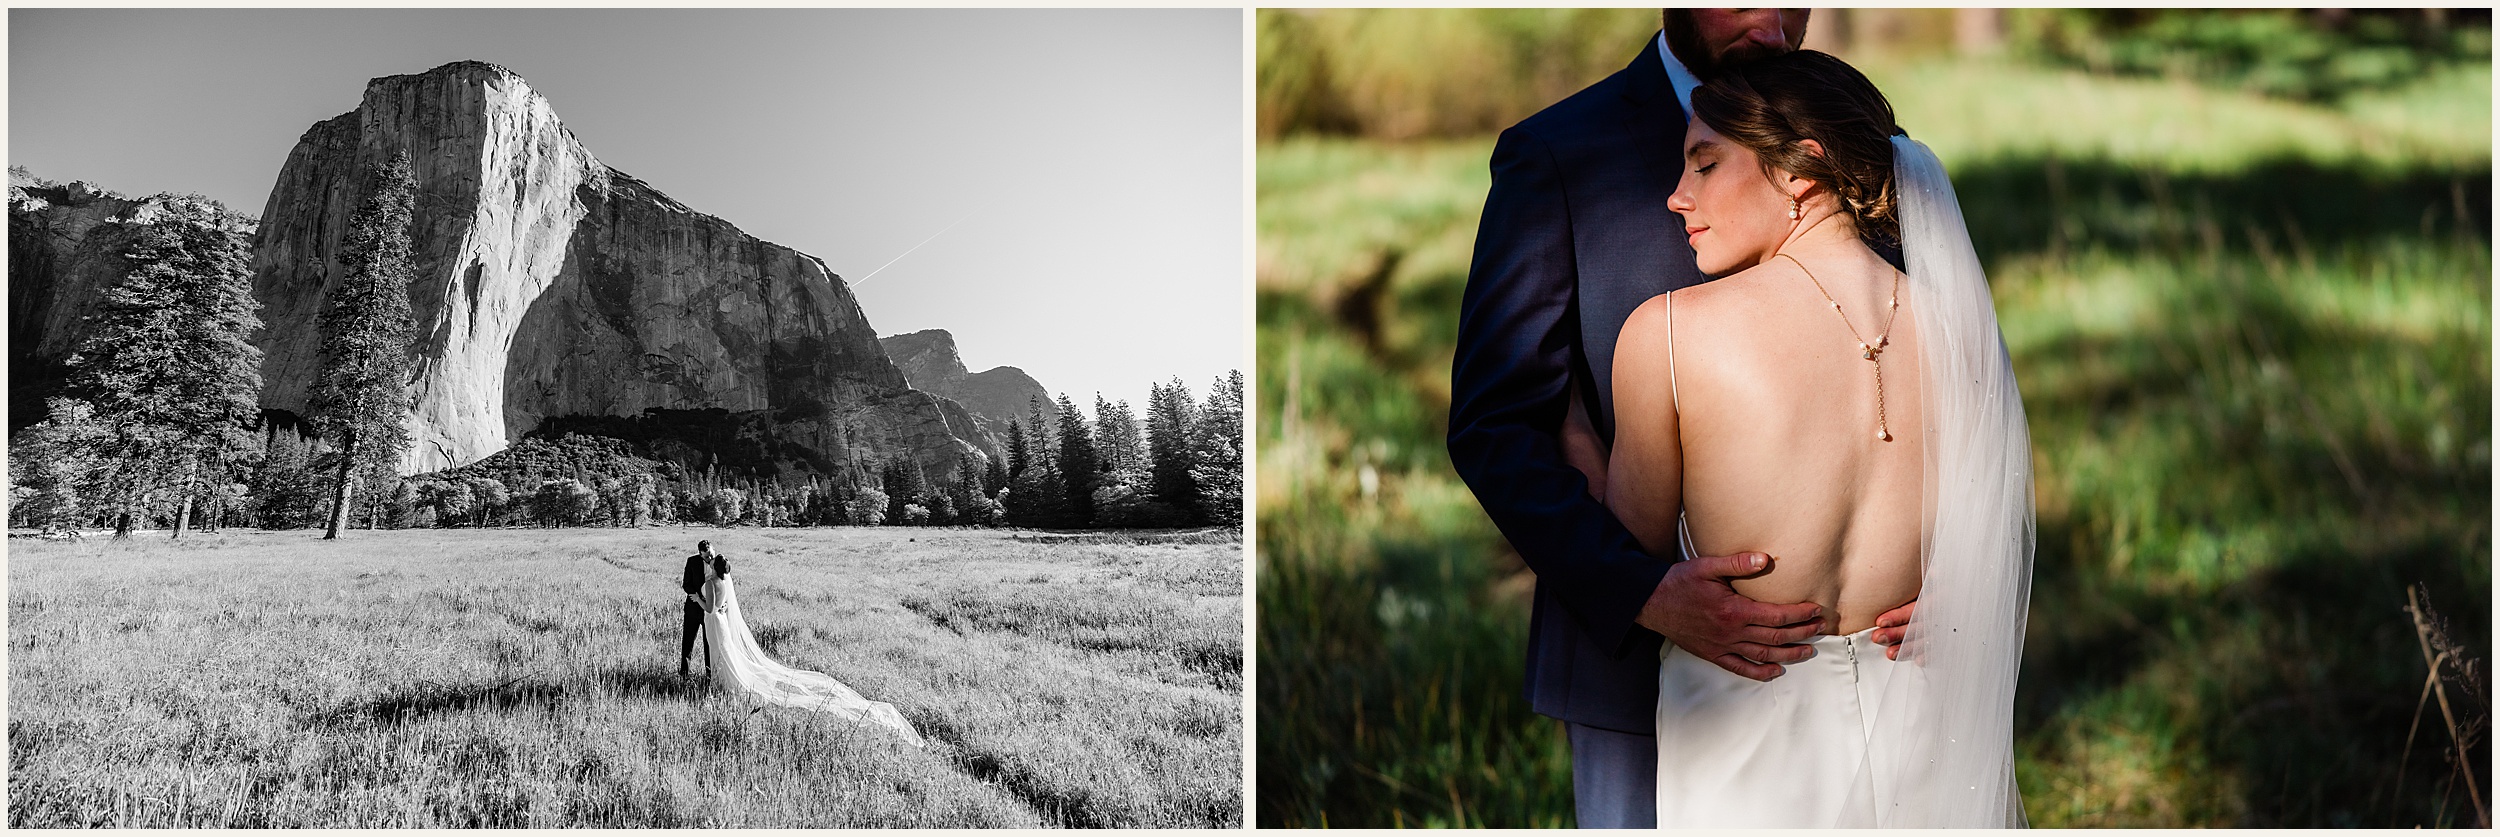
(1795, 597)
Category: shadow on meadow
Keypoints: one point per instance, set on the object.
(2036, 204)
(2260, 404)
(427, 699)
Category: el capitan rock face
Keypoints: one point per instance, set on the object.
(998, 396)
(550, 285)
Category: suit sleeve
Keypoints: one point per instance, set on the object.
(1517, 328)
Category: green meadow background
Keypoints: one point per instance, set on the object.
(2242, 261)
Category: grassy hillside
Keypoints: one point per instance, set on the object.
(2254, 342)
(520, 678)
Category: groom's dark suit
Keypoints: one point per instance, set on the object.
(692, 583)
(1576, 234)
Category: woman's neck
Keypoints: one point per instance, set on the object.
(1828, 238)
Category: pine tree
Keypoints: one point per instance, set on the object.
(904, 485)
(1036, 498)
(1019, 451)
(994, 477)
(56, 464)
(965, 494)
(1170, 418)
(288, 493)
(1216, 447)
(167, 378)
(361, 403)
(1039, 444)
(1078, 462)
(1115, 434)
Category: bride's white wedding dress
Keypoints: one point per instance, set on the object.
(1849, 738)
(741, 668)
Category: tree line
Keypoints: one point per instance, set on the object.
(159, 424)
(1178, 467)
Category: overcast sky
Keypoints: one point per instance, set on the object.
(1081, 171)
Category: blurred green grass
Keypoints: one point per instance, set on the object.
(2254, 341)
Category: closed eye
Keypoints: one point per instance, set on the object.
(1705, 169)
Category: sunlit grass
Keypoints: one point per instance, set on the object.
(526, 678)
(1971, 111)
(2253, 339)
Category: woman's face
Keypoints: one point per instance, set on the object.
(1734, 215)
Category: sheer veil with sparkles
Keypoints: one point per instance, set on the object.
(742, 668)
(1941, 752)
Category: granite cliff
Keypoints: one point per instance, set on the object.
(998, 396)
(549, 286)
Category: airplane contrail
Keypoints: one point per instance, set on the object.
(1202, 150)
(923, 243)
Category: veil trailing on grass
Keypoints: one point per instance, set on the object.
(742, 668)
(1941, 753)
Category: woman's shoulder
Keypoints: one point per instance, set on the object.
(1709, 304)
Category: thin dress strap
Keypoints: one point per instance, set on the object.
(1683, 526)
(1667, 312)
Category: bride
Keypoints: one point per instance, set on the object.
(1857, 424)
(741, 668)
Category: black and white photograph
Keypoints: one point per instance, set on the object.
(795, 418)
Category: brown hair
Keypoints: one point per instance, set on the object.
(1771, 106)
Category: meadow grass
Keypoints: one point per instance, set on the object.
(526, 678)
(2254, 343)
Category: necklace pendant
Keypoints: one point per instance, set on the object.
(1867, 353)
(1882, 435)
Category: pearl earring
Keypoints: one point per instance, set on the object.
(1793, 213)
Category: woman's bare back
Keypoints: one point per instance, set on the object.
(1778, 425)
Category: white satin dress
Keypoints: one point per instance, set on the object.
(1737, 753)
(1740, 753)
(740, 667)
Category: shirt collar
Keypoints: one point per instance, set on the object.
(1682, 79)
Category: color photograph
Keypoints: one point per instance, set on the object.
(1872, 417)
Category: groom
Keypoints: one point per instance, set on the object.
(696, 566)
(1576, 234)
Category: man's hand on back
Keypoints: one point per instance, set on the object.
(1695, 608)
(1891, 627)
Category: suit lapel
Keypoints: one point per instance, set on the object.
(1631, 247)
(1656, 121)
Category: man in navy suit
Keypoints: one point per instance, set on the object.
(1576, 234)
(698, 566)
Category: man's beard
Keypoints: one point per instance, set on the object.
(1743, 53)
(1684, 39)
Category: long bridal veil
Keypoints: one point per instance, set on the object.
(742, 668)
(1941, 753)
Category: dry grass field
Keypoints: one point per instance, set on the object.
(526, 678)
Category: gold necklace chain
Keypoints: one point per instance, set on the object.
(1872, 352)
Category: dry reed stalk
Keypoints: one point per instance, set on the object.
(2428, 631)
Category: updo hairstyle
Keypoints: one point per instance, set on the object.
(1771, 105)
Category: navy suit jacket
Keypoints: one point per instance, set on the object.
(1576, 234)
